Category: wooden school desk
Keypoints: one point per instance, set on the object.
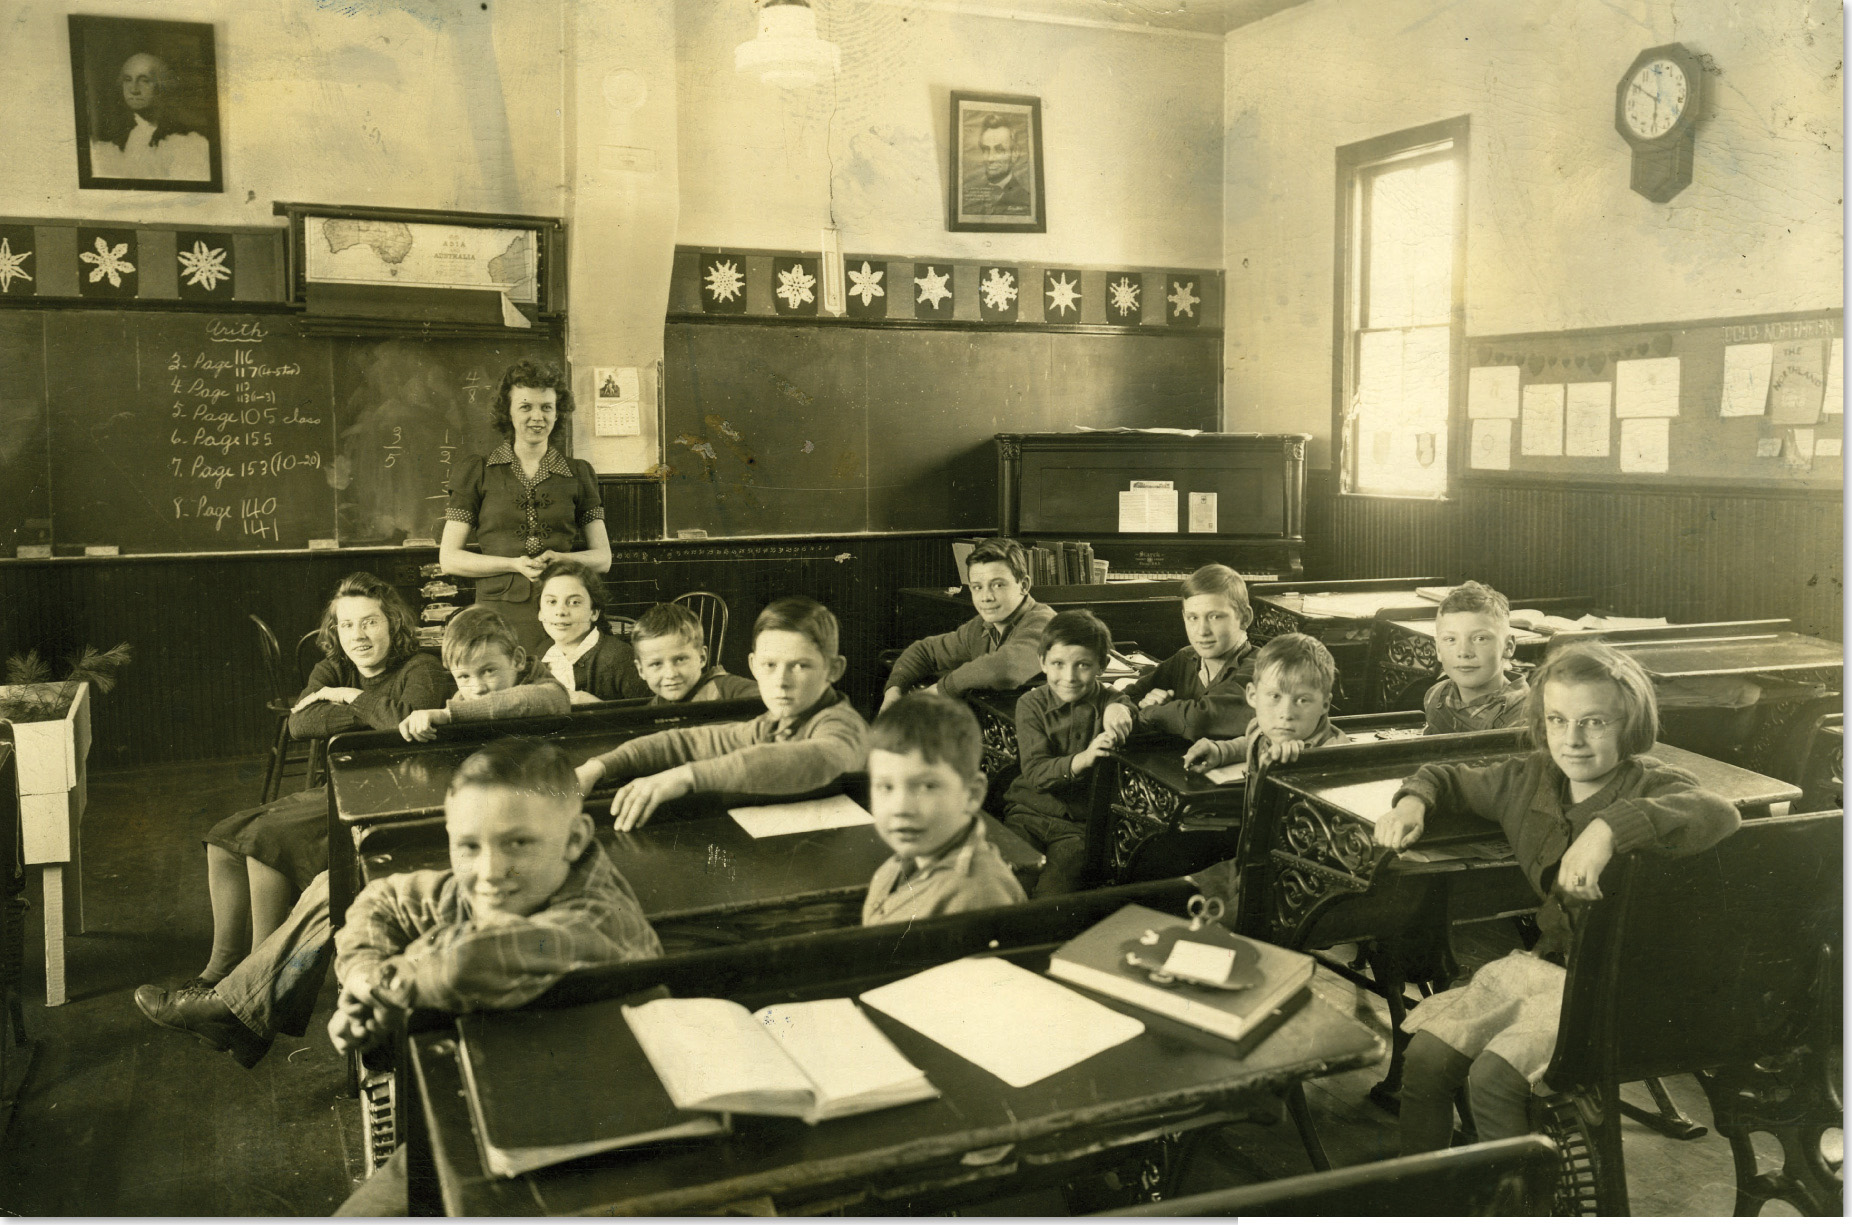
(1312, 876)
(378, 777)
(979, 1140)
(1338, 614)
(1150, 818)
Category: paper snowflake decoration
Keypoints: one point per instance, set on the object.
(795, 286)
(109, 262)
(866, 284)
(1124, 295)
(932, 286)
(1181, 299)
(12, 265)
(1063, 294)
(999, 289)
(725, 280)
(205, 266)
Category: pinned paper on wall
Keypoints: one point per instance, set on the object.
(1586, 419)
(1768, 448)
(1798, 383)
(1645, 445)
(1646, 388)
(1828, 448)
(1745, 379)
(1492, 393)
(1799, 451)
(1492, 444)
(1834, 405)
(1542, 432)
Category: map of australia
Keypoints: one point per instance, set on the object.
(372, 251)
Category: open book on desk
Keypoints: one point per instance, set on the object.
(816, 1060)
(551, 1085)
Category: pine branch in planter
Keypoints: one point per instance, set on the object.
(37, 699)
(27, 669)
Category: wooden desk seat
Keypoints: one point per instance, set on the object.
(981, 1139)
(1514, 1177)
(1724, 964)
(1823, 777)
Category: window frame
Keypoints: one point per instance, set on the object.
(1356, 165)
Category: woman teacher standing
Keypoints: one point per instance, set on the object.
(527, 503)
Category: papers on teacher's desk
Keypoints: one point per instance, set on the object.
(1012, 1022)
(801, 817)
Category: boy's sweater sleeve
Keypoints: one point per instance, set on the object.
(422, 684)
(932, 656)
(725, 687)
(835, 745)
(1672, 815)
(518, 701)
(1011, 666)
(1164, 676)
(1222, 711)
(665, 750)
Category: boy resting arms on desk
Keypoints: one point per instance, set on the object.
(495, 676)
(808, 737)
(1000, 648)
(1201, 690)
(1474, 643)
(926, 785)
(530, 895)
(1291, 696)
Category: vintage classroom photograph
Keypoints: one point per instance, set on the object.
(922, 608)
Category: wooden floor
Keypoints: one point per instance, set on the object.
(118, 1117)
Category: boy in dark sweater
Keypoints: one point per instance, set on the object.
(1000, 648)
(1291, 697)
(1202, 689)
(1063, 727)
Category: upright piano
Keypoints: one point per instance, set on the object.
(1239, 499)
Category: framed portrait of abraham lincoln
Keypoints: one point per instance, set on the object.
(145, 102)
(997, 180)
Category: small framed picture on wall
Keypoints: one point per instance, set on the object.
(145, 101)
(997, 183)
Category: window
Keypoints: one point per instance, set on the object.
(1401, 268)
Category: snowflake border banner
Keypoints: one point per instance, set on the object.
(723, 283)
(865, 294)
(934, 287)
(999, 292)
(795, 287)
(1125, 298)
(118, 252)
(1062, 299)
(1183, 300)
(205, 266)
(19, 261)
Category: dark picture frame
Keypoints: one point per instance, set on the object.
(997, 183)
(145, 104)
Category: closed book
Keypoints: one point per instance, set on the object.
(552, 1085)
(1097, 960)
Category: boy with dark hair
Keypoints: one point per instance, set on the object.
(808, 736)
(1202, 689)
(1474, 642)
(1063, 727)
(1291, 697)
(495, 676)
(926, 784)
(1000, 648)
(672, 660)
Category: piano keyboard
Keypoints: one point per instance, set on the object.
(1176, 576)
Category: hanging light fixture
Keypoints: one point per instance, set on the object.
(787, 52)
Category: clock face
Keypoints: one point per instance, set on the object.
(1656, 98)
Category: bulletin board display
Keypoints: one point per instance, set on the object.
(1755, 401)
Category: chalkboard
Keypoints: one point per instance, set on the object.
(161, 432)
(827, 429)
(1702, 445)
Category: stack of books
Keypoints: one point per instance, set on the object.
(1062, 563)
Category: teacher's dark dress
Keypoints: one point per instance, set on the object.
(516, 517)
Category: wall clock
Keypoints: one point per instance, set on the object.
(1656, 108)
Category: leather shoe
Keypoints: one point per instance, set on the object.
(199, 1011)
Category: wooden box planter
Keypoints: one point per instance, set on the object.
(49, 759)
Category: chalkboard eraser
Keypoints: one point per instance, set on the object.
(691, 533)
(101, 550)
(420, 542)
(324, 544)
(34, 550)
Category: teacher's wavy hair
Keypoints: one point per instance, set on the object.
(541, 377)
(399, 617)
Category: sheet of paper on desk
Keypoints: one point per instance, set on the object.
(802, 817)
(1367, 800)
(1012, 1022)
(1225, 775)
